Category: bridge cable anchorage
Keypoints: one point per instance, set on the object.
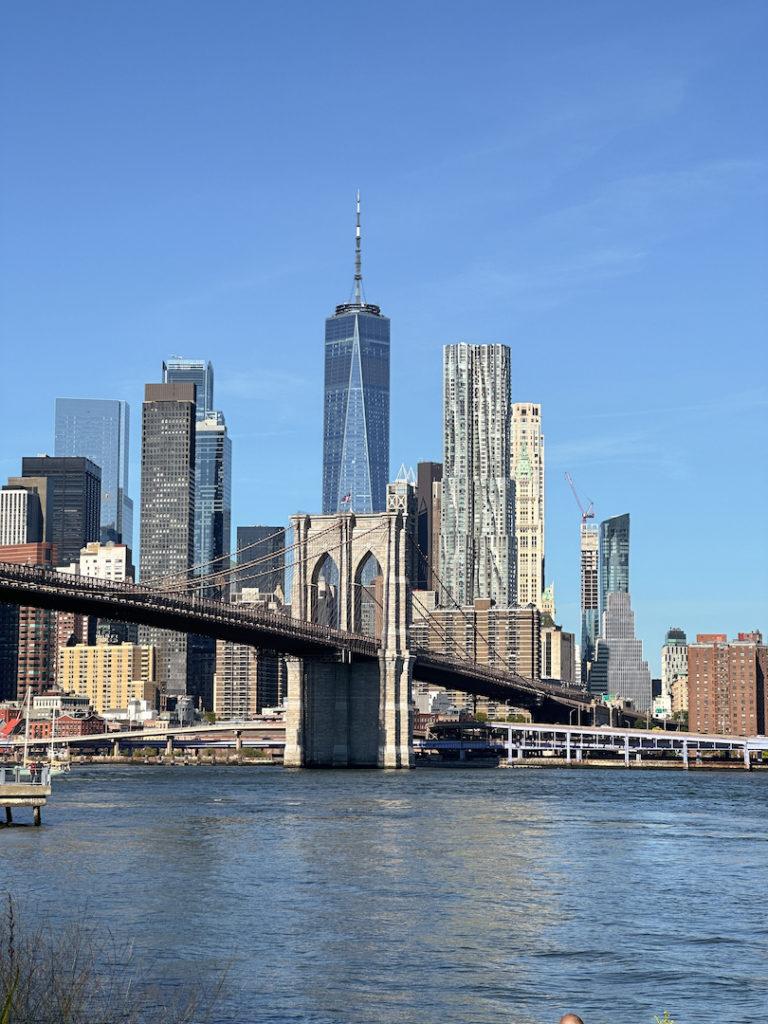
(467, 618)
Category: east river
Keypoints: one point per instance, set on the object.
(468, 897)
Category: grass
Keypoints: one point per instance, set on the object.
(79, 975)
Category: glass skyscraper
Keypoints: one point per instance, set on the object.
(614, 557)
(356, 412)
(178, 370)
(213, 494)
(99, 430)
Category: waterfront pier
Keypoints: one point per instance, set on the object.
(17, 790)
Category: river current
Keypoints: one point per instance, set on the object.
(464, 897)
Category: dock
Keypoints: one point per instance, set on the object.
(28, 792)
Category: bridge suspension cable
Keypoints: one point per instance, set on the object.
(470, 620)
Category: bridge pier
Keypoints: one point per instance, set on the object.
(349, 714)
(169, 747)
(116, 749)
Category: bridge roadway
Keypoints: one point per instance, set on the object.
(190, 613)
(577, 741)
(271, 731)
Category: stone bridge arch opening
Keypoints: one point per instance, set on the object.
(324, 592)
(368, 597)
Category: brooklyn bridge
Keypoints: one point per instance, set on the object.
(349, 697)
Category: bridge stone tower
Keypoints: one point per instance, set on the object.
(345, 712)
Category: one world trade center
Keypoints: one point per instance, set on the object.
(356, 411)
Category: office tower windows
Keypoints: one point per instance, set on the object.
(167, 511)
(213, 497)
(428, 478)
(178, 370)
(477, 503)
(619, 669)
(590, 614)
(99, 430)
(614, 557)
(356, 409)
(74, 501)
(21, 516)
(528, 474)
(260, 559)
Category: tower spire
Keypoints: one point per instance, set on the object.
(358, 258)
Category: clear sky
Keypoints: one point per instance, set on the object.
(585, 182)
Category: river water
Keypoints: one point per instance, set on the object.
(430, 896)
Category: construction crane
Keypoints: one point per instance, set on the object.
(589, 512)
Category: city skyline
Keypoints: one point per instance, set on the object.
(612, 282)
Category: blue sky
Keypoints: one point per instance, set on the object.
(584, 182)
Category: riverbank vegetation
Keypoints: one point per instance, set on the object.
(80, 975)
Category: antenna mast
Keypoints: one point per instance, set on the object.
(358, 258)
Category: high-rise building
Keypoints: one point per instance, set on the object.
(528, 474)
(558, 655)
(74, 516)
(28, 636)
(614, 557)
(477, 503)
(99, 430)
(249, 679)
(42, 489)
(213, 497)
(110, 675)
(356, 410)
(619, 669)
(674, 661)
(168, 511)
(428, 479)
(260, 558)
(508, 639)
(178, 370)
(21, 516)
(727, 685)
(590, 613)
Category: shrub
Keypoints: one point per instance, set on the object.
(74, 975)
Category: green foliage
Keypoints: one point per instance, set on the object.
(210, 717)
(666, 1019)
(481, 716)
(254, 752)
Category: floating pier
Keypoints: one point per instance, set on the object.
(21, 787)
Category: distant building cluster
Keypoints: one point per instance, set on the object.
(476, 562)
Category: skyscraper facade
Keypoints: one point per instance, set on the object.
(199, 372)
(213, 495)
(428, 478)
(674, 660)
(74, 517)
(260, 559)
(168, 511)
(528, 474)
(21, 516)
(590, 613)
(356, 409)
(614, 557)
(99, 430)
(619, 668)
(477, 501)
